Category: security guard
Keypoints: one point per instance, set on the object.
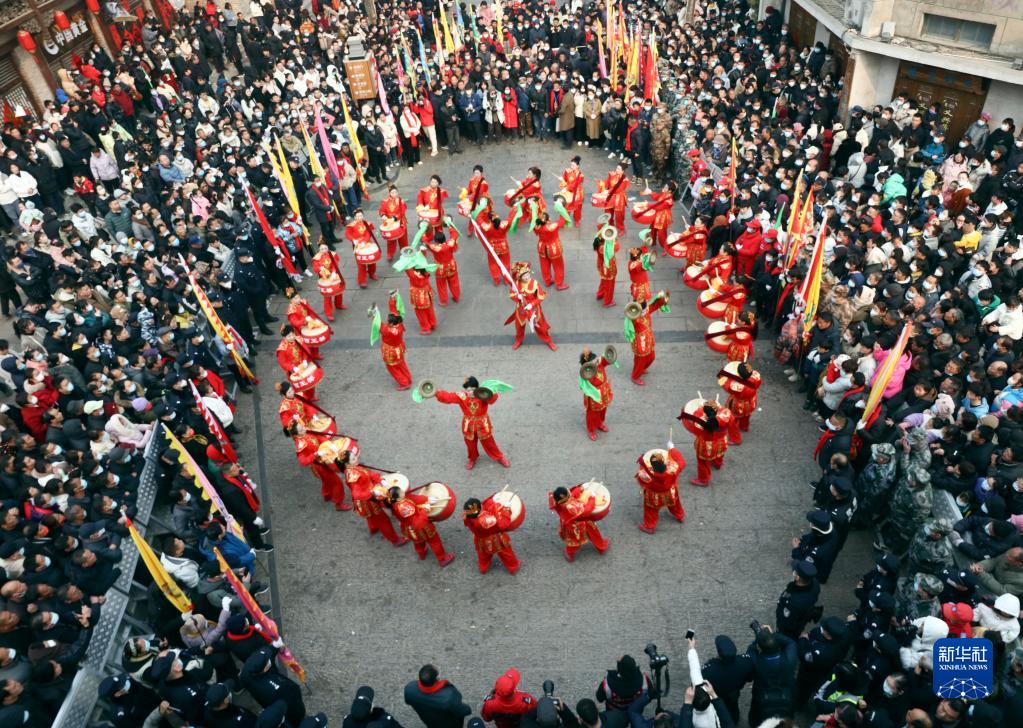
(819, 652)
(798, 603)
(267, 685)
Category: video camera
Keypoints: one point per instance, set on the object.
(658, 663)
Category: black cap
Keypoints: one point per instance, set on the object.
(805, 569)
(834, 626)
(161, 668)
(363, 703)
(820, 521)
(112, 684)
(273, 715)
(218, 693)
(258, 660)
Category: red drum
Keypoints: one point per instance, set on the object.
(330, 286)
(599, 199)
(695, 408)
(322, 425)
(732, 368)
(510, 200)
(643, 213)
(390, 228)
(442, 501)
(305, 378)
(656, 451)
(721, 343)
(393, 480)
(601, 494)
(698, 277)
(367, 253)
(514, 503)
(717, 309)
(676, 248)
(314, 334)
(429, 214)
(463, 207)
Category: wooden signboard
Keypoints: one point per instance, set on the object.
(360, 79)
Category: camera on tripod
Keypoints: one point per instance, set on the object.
(657, 661)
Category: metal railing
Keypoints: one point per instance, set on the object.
(115, 623)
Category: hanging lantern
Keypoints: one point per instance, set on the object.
(60, 19)
(26, 41)
(93, 6)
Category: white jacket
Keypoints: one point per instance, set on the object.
(7, 194)
(1009, 321)
(931, 629)
(23, 184)
(183, 570)
(1008, 627)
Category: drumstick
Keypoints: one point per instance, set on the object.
(671, 434)
(699, 394)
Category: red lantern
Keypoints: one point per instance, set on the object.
(93, 6)
(26, 41)
(60, 19)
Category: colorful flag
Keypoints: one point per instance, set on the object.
(220, 329)
(422, 58)
(328, 151)
(885, 371)
(651, 79)
(449, 43)
(214, 424)
(383, 94)
(733, 169)
(161, 578)
(810, 293)
(282, 252)
(314, 160)
(268, 626)
(499, 17)
(203, 483)
(601, 63)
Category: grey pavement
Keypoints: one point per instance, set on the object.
(357, 611)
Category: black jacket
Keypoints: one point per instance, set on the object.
(441, 707)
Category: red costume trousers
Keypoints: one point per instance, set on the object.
(314, 353)
(577, 214)
(427, 319)
(331, 302)
(366, 271)
(617, 218)
(332, 488)
(553, 270)
(379, 522)
(495, 272)
(507, 556)
(606, 291)
(595, 420)
(651, 515)
(703, 470)
(641, 363)
(659, 237)
(449, 283)
(489, 447)
(394, 245)
(596, 538)
(400, 373)
(434, 545)
(543, 334)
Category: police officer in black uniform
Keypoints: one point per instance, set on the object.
(221, 712)
(798, 603)
(819, 651)
(130, 701)
(267, 685)
(819, 545)
(251, 281)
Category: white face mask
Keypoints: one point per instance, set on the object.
(46, 564)
(888, 689)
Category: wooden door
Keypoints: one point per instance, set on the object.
(802, 25)
(961, 96)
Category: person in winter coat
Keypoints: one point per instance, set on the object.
(929, 630)
(437, 702)
(104, 169)
(265, 683)
(728, 673)
(775, 659)
(506, 705)
(1001, 574)
(1002, 618)
(364, 714)
(894, 385)
(980, 537)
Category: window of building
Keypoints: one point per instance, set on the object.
(959, 31)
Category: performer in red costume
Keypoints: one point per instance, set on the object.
(596, 409)
(528, 297)
(528, 190)
(431, 198)
(444, 249)
(658, 477)
(661, 204)
(300, 315)
(711, 439)
(360, 233)
(476, 425)
(476, 190)
(571, 184)
(747, 247)
(495, 231)
(307, 449)
(742, 388)
(368, 496)
(548, 247)
(616, 185)
(331, 282)
(394, 209)
(641, 260)
(489, 523)
(607, 271)
(421, 295)
(692, 242)
(643, 344)
(576, 527)
(392, 345)
(294, 358)
(412, 511)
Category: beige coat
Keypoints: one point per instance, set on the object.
(566, 112)
(591, 112)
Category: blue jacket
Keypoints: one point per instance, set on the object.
(235, 551)
(470, 104)
(934, 152)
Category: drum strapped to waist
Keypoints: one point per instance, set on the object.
(442, 501)
(306, 377)
(430, 214)
(601, 497)
(367, 253)
(314, 333)
(714, 303)
(391, 228)
(513, 503)
(644, 213)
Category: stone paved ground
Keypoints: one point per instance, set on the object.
(357, 611)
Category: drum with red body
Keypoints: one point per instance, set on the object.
(714, 303)
(428, 214)
(512, 502)
(314, 333)
(330, 286)
(305, 378)
(720, 343)
(676, 246)
(442, 500)
(601, 495)
(390, 228)
(367, 253)
(599, 198)
(643, 213)
(695, 407)
(321, 424)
